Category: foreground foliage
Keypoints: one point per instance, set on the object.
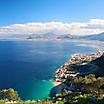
(9, 94)
(85, 90)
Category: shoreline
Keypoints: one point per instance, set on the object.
(62, 71)
(57, 40)
(56, 83)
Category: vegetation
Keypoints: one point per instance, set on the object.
(88, 89)
(9, 94)
(85, 90)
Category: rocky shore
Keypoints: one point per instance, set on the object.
(78, 65)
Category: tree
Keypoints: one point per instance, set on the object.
(9, 94)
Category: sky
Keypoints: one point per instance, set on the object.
(76, 17)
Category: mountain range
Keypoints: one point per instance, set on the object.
(99, 37)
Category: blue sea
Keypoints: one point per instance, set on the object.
(29, 67)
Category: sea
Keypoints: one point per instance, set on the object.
(29, 66)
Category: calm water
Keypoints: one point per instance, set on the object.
(28, 66)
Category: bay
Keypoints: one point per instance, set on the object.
(29, 66)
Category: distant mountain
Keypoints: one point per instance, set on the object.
(50, 36)
(65, 36)
(99, 37)
(37, 36)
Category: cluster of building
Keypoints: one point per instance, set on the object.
(66, 72)
(84, 59)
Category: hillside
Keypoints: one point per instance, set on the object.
(99, 37)
(77, 87)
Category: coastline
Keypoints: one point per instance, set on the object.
(62, 71)
(65, 74)
(56, 83)
(57, 40)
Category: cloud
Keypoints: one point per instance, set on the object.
(93, 26)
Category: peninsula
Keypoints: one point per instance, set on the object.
(80, 77)
(75, 67)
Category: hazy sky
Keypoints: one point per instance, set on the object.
(46, 11)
